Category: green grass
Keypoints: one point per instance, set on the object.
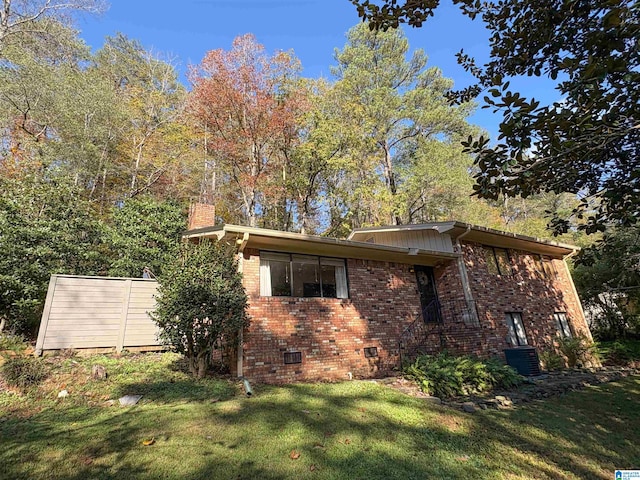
(347, 430)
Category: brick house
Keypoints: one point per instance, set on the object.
(324, 308)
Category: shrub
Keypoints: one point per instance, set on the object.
(551, 360)
(201, 303)
(620, 352)
(445, 375)
(12, 343)
(23, 372)
(578, 350)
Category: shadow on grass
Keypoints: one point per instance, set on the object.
(351, 430)
(172, 391)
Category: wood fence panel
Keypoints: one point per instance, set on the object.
(98, 312)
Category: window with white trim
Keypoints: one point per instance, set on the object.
(285, 275)
(515, 327)
(562, 324)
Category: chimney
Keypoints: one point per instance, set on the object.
(201, 215)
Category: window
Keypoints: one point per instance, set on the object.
(517, 335)
(371, 352)
(562, 324)
(498, 261)
(548, 268)
(292, 357)
(544, 266)
(284, 275)
(537, 262)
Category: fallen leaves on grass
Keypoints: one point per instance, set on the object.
(148, 441)
(294, 455)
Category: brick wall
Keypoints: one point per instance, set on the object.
(331, 334)
(201, 215)
(536, 296)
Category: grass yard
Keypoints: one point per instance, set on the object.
(208, 430)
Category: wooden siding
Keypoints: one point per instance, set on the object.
(424, 239)
(97, 312)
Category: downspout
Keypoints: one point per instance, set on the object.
(464, 277)
(242, 243)
(575, 292)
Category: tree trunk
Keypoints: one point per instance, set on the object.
(202, 365)
(136, 168)
(193, 370)
(391, 183)
(3, 323)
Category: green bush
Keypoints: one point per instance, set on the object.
(619, 352)
(12, 343)
(201, 303)
(578, 350)
(445, 375)
(23, 372)
(551, 360)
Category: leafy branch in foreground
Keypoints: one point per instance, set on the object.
(587, 143)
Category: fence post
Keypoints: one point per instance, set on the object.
(123, 316)
(44, 323)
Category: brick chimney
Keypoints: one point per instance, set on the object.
(201, 215)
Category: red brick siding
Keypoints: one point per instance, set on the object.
(526, 291)
(331, 333)
(201, 215)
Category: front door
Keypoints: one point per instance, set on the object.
(428, 294)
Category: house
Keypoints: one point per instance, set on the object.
(324, 308)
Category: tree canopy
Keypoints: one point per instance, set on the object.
(587, 142)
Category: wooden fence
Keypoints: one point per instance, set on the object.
(97, 312)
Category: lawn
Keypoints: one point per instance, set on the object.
(207, 430)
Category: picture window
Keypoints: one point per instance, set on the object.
(285, 275)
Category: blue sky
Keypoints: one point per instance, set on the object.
(186, 30)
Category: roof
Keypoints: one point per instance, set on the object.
(475, 233)
(275, 240)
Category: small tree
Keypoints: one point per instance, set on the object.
(201, 302)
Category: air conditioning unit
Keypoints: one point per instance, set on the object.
(524, 359)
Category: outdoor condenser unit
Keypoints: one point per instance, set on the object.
(524, 359)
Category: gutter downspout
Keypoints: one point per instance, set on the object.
(464, 277)
(241, 246)
(575, 292)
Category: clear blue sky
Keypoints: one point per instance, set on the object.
(186, 30)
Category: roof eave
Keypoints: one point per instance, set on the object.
(264, 239)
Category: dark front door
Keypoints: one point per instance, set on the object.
(428, 294)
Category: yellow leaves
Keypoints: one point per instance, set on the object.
(148, 441)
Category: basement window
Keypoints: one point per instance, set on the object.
(515, 327)
(562, 324)
(371, 352)
(285, 275)
(292, 357)
(498, 261)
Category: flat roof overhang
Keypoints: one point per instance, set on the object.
(483, 235)
(277, 241)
